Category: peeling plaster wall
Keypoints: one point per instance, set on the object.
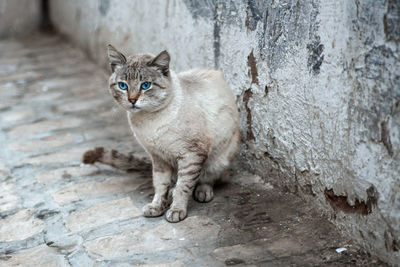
(317, 83)
(19, 17)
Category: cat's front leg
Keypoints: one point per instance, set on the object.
(189, 170)
(162, 173)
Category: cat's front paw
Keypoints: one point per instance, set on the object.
(151, 210)
(176, 215)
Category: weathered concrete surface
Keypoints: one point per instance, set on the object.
(317, 83)
(19, 17)
(57, 212)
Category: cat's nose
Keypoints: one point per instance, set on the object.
(132, 101)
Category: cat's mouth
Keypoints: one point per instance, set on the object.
(134, 107)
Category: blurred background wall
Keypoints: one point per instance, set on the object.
(19, 17)
(317, 83)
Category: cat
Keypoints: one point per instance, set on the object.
(187, 122)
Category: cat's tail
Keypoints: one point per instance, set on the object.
(128, 163)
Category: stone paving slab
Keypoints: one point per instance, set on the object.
(54, 211)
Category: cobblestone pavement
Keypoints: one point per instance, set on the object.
(55, 211)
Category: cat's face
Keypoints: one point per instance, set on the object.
(140, 83)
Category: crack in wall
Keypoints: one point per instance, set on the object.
(315, 57)
(45, 22)
(385, 136)
(252, 64)
(391, 21)
(246, 97)
(216, 34)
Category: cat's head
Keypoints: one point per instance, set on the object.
(140, 82)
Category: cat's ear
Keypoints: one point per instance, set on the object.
(161, 62)
(116, 58)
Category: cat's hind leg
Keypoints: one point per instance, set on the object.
(217, 168)
(204, 191)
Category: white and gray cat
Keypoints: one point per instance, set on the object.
(187, 122)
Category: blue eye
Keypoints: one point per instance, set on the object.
(145, 85)
(122, 85)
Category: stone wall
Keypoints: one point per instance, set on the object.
(317, 83)
(19, 17)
